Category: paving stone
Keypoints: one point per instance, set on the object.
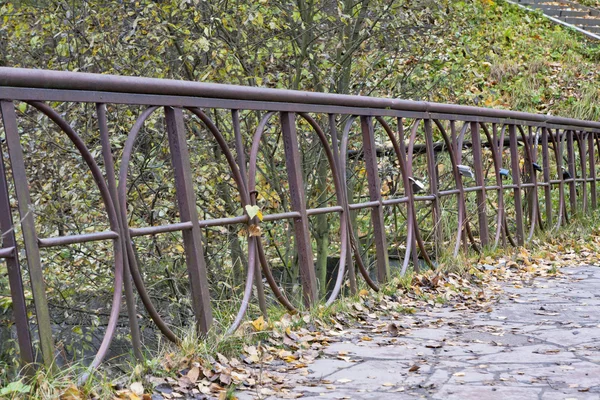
(325, 366)
(529, 354)
(506, 339)
(464, 392)
(398, 352)
(520, 350)
(569, 337)
(572, 394)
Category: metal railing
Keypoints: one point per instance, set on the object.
(496, 137)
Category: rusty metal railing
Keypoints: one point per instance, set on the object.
(413, 129)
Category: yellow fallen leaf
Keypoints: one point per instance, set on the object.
(260, 324)
(71, 393)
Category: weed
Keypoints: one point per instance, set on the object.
(406, 310)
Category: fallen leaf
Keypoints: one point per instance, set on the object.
(71, 393)
(392, 329)
(260, 324)
(414, 368)
(137, 388)
(193, 374)
(254, 230)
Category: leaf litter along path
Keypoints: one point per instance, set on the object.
(540, 339)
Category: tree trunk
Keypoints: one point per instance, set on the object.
(322, 231)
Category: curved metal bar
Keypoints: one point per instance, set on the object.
(411, 146)
(500, 221)
(335, 145)
(114, 225)
(497, 160)
(122, 193)
(529, 167)
(581, 142)
(407, 187)
(534, 153)
(248, 289)
(109, 169)
(252, 191)
(341, 202)
(244, 196)
(459, 185)
(462, 207)
(461, 140)
(458, 148)
(237, 176)
(557, 146)
(504, 221)
(271, 280)
(533, 147)
(410, 237)
(241, 162)
(353, 244)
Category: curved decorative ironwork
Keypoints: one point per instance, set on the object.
(494, 137)
(122, 193)
(112, 218)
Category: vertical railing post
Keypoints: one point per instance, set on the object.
(528, 169)
(109, 167)
(572, 172)
(516, 174)
(562, 210)
(592, 163)
(480, 181)
(597, 145)
(581, 145)
(34, 264)
(433, 183)
(15, 279)
(186, 199)
(533, 140)
(546, 173)
(298, 203)
(370, 151)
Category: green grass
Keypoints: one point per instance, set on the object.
(44, 385)
(494, 55)
(589, 3)
(506, 57)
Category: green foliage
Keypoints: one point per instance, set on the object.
(476, 52)
(589, 3)
(14, 388)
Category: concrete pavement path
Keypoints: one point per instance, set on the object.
(541, 340)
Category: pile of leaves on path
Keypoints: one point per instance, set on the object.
(292, 343)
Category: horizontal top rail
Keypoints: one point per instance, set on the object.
(80, 81)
